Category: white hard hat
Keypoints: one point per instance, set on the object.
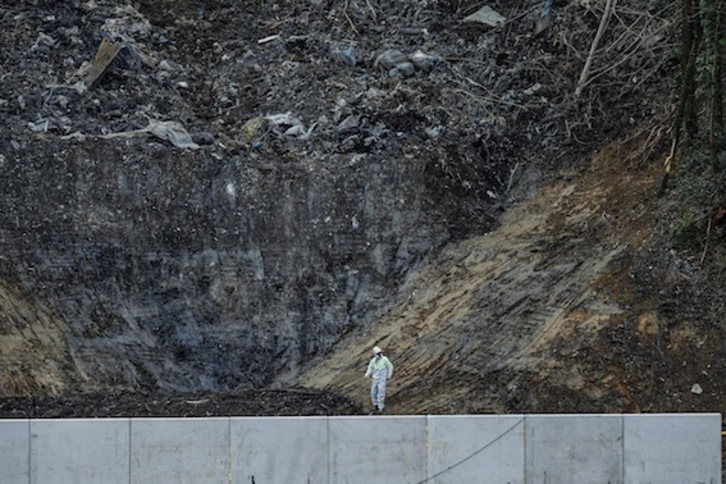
(377, 350)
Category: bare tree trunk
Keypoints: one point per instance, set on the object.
(690, 116)
(716, 120)
(686, 110)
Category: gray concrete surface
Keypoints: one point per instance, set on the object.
(72, 451)
(463, 447)
(574, 449)
(506, 449)
(375, 449)
(176, 450)
(681, 448)
(278, 450)
(14, 451)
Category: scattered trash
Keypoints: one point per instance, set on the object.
(466, 85)
(349, 124)
(696, 389)
(424, 62)
(40, 126)
(399, 65)
(414, 31)
(542, 24)
(269, 39)
(252, 130)
(533, 89)
(288, 125)
(50, 123)
(544, 21)
(126, 21)
(106, 53)
(43, 42)
(487, 16)
(76, 135)
(390, 59)
(346, 54)
(165, 65)
(433, 132)
(171, 131)
(128, 27)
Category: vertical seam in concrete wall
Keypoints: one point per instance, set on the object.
(622, 448)
(327, 444)
(525, 433)
(719, 469)
(130, 448)
(229, 450)
(426, 449)
(30, 454)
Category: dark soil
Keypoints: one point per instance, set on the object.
(135, 404)
(136, 271)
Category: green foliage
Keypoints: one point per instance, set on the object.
(697, 190)
(703, 51)
(685, 234)
(720, 155)
(695, 160)
(697, 185)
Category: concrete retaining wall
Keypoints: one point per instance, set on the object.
(506, 449)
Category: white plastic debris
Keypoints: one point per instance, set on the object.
(533, 89)
(41, 126)
(396, 63)
(433, 132)
(390, 59)
(171, 131)
(422, 61)
(269, 38)
(43, 39)
(76, 135)
(487, 16)
(283, 119)
(289, 125)
(696, 388)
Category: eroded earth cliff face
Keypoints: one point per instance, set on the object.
(573, 304)
(210, 268)
(191, 272)
(253, 193)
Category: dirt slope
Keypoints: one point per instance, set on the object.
(523, 318)
(34, 354)
(322, 178)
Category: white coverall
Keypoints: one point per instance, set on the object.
(381, 369)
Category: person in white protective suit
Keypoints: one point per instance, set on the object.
(381, 370)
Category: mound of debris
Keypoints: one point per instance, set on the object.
(128, 404)
(202, 196)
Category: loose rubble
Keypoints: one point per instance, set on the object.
(211, 193)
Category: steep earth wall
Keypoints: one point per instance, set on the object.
(321, 151)
(192, 272)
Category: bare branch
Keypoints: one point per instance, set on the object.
(609, 6)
